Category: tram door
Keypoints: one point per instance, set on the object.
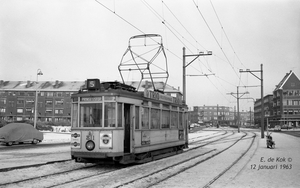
(127, 123)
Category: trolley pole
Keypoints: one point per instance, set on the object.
(185, 66)
(238, 97)
(261, 93)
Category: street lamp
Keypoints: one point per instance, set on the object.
(39, 72)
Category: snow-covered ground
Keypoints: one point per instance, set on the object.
(261, 167)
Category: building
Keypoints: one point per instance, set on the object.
(246, 118)
(268, 109)
(286, 98)
(212, 115)
(283, 106)
(17, 98)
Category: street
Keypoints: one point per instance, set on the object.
(241, 165)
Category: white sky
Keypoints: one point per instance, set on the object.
(80, 39)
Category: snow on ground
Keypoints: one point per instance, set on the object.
(50, 137)
(261, 167)
(279, 167)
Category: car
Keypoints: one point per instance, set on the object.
(287, 126)
(277, 128)
(15, 133)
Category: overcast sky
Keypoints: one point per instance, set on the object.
(79, 39)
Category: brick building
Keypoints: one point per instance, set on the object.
(283, 106)
(17, 98)
(286, 98)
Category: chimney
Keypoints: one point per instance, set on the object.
(56, 85)
(28, 84)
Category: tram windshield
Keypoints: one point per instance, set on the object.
(90, 115)
(97, 115)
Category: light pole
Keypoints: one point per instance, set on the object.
(39, 72)
(184, 67)
(262, 95)
(238, 97)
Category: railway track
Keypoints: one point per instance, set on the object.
(63, 176)
(192, 141)
(170, 172)
(154, 173)
(93, 173)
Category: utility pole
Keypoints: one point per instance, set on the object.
(238, 105)
(184, 67)
(261, 93)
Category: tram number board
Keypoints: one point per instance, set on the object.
(88, 99)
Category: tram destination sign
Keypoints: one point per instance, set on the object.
(87, 99)
(159, 96)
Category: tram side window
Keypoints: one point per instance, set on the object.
(75, 115)
(174, 119)
(180, 120)
(155, 118)
(145, 118)
(110, 114)
(91, 115)
(137, 117)
(165, 119)
(119, 115)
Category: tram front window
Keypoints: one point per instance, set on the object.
(110, 114)
(91, 115)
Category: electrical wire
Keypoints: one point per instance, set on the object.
(225, 33)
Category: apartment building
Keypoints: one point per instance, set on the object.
(17, 98)
(212, 115)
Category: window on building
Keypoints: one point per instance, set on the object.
(58, 111)
(49, 94)
(291, 112)
(59, 102)
(2, 101)
(20, 110)
(48, 111)
(2, 110)
(29, 101)
(29, 110)
(20, 101)
(49, 102)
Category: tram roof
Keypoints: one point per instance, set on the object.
(75, 86)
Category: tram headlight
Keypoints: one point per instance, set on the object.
(90, 145)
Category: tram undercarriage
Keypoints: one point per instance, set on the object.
(129, 158)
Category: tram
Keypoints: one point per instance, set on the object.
(113, 122)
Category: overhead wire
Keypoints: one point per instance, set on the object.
(225, 33)
(175, 32)
(228, 61)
